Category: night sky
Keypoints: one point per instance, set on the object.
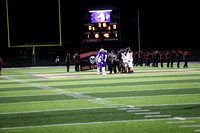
(164, 25)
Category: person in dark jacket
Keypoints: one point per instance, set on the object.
(154, 59)
(77, 62)
(147, 57)
(140, 57)
(162, 57)
(67, 61)
(135, 59)
(186, 56)
(178, 57)
(157, 55)
(119, 61)
(168, 58)
(172, 54)
(113, 59)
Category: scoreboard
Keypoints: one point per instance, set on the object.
(101, 27)
(98, 32)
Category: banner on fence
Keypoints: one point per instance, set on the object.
(88, 60)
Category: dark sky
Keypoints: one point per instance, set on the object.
(164, 25)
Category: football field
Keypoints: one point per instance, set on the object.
(151, 100)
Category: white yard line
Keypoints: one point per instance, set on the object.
(151, 116)
(169, 104)
(138, 110)
(149, 113)
(128, 108)
(176, 122)
(189, 126)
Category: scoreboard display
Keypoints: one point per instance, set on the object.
(100, 16)
(101, 27)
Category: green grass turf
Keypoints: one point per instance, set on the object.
(102, 95)
(34, 98)
(92, 115)
(175, 92)
(119, 127)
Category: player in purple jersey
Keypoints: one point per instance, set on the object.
(98, 60)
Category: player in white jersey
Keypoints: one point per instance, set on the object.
(104, 58)
(129, 57)
(124, 61)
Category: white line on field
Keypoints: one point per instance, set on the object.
(169, 104)
(198, 130)
(189, 126)
(128, 108)
(180, 118)
(151, 116)
(174, 122)
(149, 113)
(66, 124)
(138, 110)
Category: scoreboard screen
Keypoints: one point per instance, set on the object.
(100, 16)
